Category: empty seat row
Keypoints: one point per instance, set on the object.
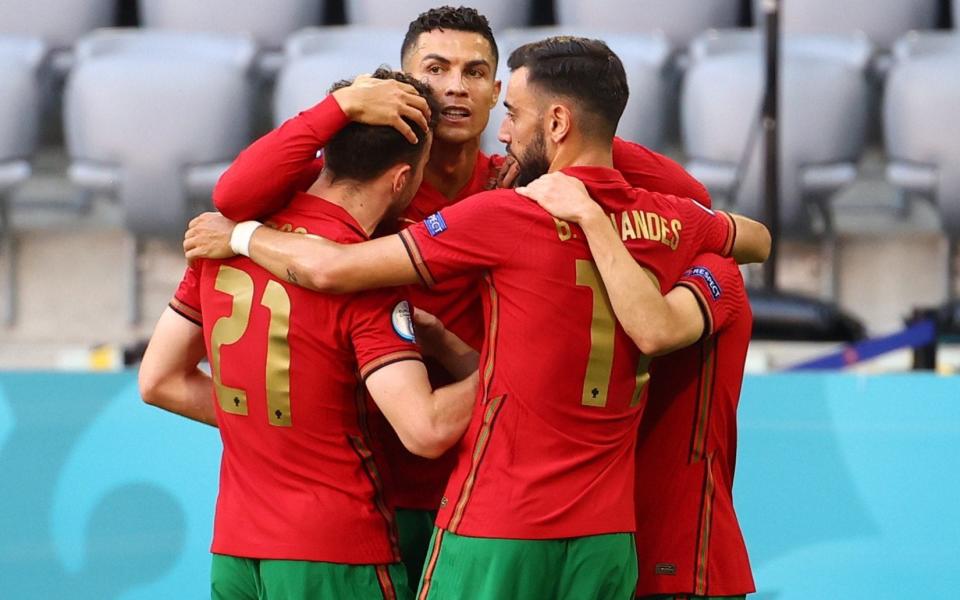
(153, 118)
(824, 102)
(921, 127)
(60, 23)
(177, 107)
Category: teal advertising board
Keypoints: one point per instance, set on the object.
(846, 487)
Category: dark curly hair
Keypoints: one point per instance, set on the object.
(363, 152)
(462, 18)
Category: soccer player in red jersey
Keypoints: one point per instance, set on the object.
(689, 542)
(300, 513)
(454, 50)
(541, 501)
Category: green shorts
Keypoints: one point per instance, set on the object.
(234, 578)
(415, 528)
(601, 567)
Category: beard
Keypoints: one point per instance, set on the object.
(533, 161)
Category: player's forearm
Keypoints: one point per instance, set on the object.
(460, 360)
(321, 265)
(634, 295)
(456, 356)
(309, 262)
(427, 421)
(451, 408)
(188, 394)
(262, 178)
(753, 241)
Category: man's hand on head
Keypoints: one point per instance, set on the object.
(384, 102)
(208, 236)
(562, 196)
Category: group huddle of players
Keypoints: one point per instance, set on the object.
(434, 370)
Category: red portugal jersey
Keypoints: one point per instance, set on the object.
(688, 538)
(417, 482)
(283, 162)
(549, 451)
(297, 477)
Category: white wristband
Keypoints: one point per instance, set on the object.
(240, 238)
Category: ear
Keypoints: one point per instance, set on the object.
(559, 122)
(401, 175)
(497, 86)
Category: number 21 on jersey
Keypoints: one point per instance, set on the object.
(230, 329)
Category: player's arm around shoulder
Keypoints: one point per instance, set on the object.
(655, 324)
(427, 421)
(169, 377)
(305, 260)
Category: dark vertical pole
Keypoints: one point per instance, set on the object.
(925, 357)
(771, 137)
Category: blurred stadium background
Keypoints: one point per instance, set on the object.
(118, 116)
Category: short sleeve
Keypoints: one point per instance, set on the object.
(644, 168)
(381, 330)
(475, 234)
(715, 231)
(718, 286)
(186, 300)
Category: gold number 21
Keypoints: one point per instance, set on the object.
(230, 329)
(602, 329)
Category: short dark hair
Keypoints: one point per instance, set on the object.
(581, 69)
(462, 18)
(363, 152)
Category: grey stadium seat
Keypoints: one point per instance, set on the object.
(883, 21)
(645, 59)
(59, 24)
(387, 13)
(317, 57)
(680, 20)
(153, 118)
(20, 59)
(269, 23)
(921, 128)
(824, 113)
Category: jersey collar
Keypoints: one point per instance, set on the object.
(325, 210)
(597, 175)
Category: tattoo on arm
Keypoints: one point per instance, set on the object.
(291, 276)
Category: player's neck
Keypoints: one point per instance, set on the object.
(364, 201)
(451, 165)
(583, 154)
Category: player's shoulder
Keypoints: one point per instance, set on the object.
(499, 199)
(718, 274)
(685, 203)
